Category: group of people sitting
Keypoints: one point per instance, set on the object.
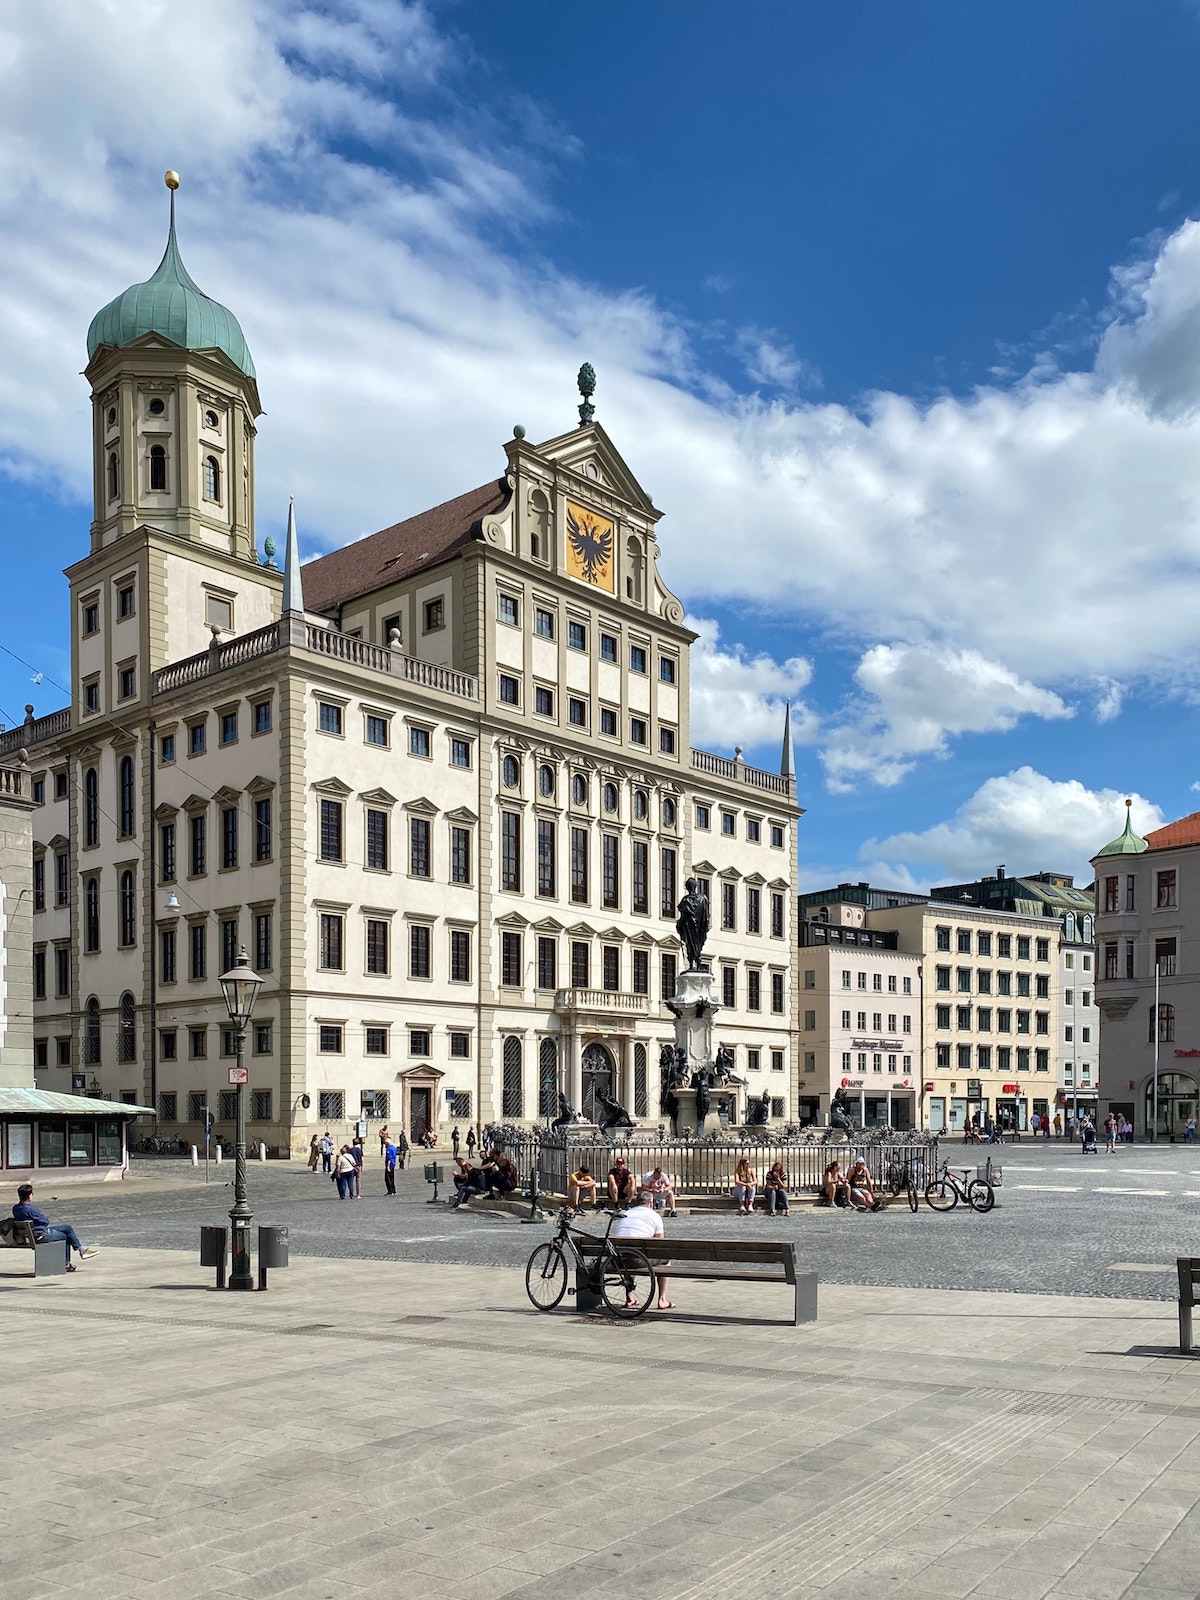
(494, 1175)
(854, 1190)
(622, 1188)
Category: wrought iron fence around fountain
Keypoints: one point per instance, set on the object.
(706, 1166)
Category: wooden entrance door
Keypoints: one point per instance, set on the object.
(420, 1113)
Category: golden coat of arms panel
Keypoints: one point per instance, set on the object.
(591, 547)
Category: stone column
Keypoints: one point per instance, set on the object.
(574, 1070)
(625, 1069)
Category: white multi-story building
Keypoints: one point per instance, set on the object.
(440, 785)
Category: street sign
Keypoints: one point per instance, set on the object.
(239, 1074)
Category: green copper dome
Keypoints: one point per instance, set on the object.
(1128, 844)
(170, 304)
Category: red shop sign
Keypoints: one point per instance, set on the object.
(1010, 1088)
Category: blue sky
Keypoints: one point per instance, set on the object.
(896, 312)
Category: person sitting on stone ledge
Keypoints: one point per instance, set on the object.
(658, 1186)
(579, 1184)
(468, 1180)
(622, 1187)
(775, 1190)
(862, 1188)
(500, 1175)
(745, 1187)
(836, 1188)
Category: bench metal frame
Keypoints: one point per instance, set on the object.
(717, 1260)
(49, 1255)
(1188, 1268)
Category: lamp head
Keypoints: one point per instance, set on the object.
(240, 986)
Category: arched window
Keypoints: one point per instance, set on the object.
(126, 1030)
(539, 525)
(548, 1078)
(513, 1100)
(128, 909)
(1069, 927)
(125, 796)
(641, 1087)
(1166, 1023)
(91, 915)
(158, 466)
(114, 476)
(212, 478)
(633, 571)
(91, 807)
(91, 1033)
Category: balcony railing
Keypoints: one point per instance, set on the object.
(34, 729)
(601, 1000)
(738, 772)
(327, 642)
(14, 781)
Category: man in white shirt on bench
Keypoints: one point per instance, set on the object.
(642, 1221)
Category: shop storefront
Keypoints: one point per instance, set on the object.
(1176, 1100)
(69, 1137)
(808, 1110)
(1012, 1109)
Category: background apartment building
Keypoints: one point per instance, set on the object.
(440, 785)
(1147, 929)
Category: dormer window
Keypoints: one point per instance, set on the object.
(212, 478)
(158, 467)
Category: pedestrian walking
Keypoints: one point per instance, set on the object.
(326, 1152)
(314, 1153)
(390, 1154)
(383, 1140)
(401, 1143)
(470, 1143)
(343, 1172)
(356, 1155)
(1035, 1124)
(1046, 1126)
(454, 1141)
(1057, 1125)
(1110, 1134)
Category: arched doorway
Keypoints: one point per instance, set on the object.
(599, 1072)
(1177, 1099)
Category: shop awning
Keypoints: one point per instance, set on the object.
(45, 1103)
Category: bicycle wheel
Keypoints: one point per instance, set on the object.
(914, 1196)
(980, 1195)
(546, 1277)
(627, 1283)
(941, 1195)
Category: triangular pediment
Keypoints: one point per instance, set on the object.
(641, 939)
(512, 919)
(195, 802)
(778, 883)
(589, 447)
(461, 814)
(756, 878)
(260, 786)
(333, 786)
(225, 796)
(614, 935)
(378, 797)
(548, 925)
(704, 869)
(581, 930)
(59, 842)
(421, 807)
(165, 811)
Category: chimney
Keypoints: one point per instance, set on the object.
(1000, 872)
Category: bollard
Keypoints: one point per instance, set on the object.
(262, 1151)
(195, 1156)
(218, 1155)
(536, 1214)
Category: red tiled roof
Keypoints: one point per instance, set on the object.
(393, 553)
(1185, 831)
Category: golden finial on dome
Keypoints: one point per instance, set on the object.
(171, 178)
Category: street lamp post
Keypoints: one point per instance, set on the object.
(240, 986)
(1157, 1037)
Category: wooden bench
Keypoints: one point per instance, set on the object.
(717, 1260)
(49, 1255)
(1188, 1268)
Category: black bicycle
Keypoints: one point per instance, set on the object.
(944, 1191)
(620, 1274)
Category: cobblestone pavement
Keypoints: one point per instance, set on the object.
(393, 1430)
(1102, 1225)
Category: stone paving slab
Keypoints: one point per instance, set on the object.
(170, 1440)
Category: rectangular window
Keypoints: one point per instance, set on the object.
(669, 974)
(262, 830)
(729, 824)
(62, 875)
(637, 658)
(229, 837)
(1131, 892)
(729, 906)
(777, 993)
(1041, 1060)
(510, 851)
(228, 727)
(1043, 950)
(260, 1105)
(983, 1019)
(329, 1038)
(198, 837)
(418, 950)
(753, 911)
(942, 939)
(666, 669)
(1023, 984)
(460, 855)
(547, 964)
(377, 840)
(1165, 889)
(577, 712)
(510, 960)
(777, 927)
(1129, 958)
(1023, 947)
(1043, 988)
(39, 974)
(166, 955)
(546, 865)
(460, 753)
(198, 948)
(670, 882)
(1042, 1022)
(91, 698)
(1023, 1021)
(581, 964)
(579, 866)
(262, 941)
(608, 722)
(230, 943)
(543, 622)
(39, 883)
(62, 969)
(262, 716)
(729, 987)
(963, 976)
(435, 614)
(942, 1016)
(754, 990)
(1004, 946)
(576, 636)
(331, 830)
(1023, 1060)
(127, 683)
(460, 1050)
(510, 690)
(1165, 959)
(419, 864)
(1004, 983)
(611, 968)
(1112, 894)
(379, 939)
(377, 730)
(1004, 1020)
(611, 862)
(641, 972)
(637, 730)
(983, 982)
(376, 1040)
(641, 875)
(166, 854)
(963, 1018)
(331, 1106)
(329, 717)
(608, 647)
(460, 956)
(776, 1066)
(509, 610)
(418, 742)
(666, 741)
(331, 953)
(942, 979)
(983, 944)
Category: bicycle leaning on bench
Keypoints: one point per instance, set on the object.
(620, 1273)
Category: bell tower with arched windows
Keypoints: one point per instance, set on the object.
(174, 401)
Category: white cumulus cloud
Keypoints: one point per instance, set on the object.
(740, 699)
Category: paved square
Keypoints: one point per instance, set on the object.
(398, 1428)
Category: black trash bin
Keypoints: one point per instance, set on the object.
(272, 1251)
(214, 1250)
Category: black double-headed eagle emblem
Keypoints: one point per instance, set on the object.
(592, 544)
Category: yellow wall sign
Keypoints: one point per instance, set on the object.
(591, 548)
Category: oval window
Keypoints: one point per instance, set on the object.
(579, 789)
(511, 772)
(610, 798)
(157, 407)
(669, 813)
(546, 781)
(641, 805)
(210, 419)
(112, 416)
